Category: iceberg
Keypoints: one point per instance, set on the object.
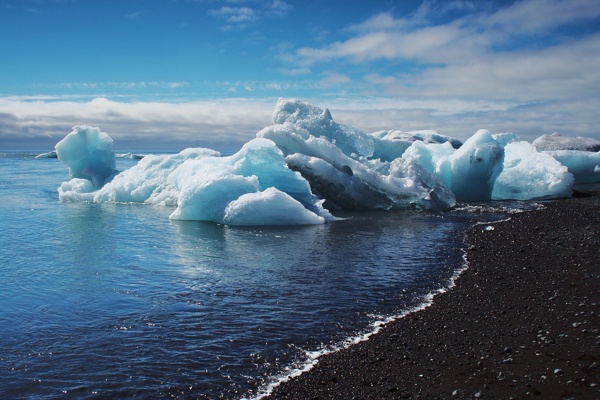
(584, 165)
(469, 172)
(529, 174)
(581, 155)
(88, 153)
(556, 142)
(391, 144)
(319, 151)
(317, 122)
(207, 186)
(145, 182)
(475, 167)
(305, 164)
(238, 190)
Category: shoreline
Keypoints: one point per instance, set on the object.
(521, 321)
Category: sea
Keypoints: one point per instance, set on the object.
(118, 301)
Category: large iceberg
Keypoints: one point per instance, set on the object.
(335, 160)
(252, 187)
(305, 164)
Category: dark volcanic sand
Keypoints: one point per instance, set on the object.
(522, 322)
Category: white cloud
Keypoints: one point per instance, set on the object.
(234, 14)
(333, 79)
(539, 16)
(498, 66)
(113, 85)
(225, 123)
(278, 8)
(240, 17)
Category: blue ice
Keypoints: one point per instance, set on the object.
(304, 165)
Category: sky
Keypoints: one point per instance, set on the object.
(171, 74)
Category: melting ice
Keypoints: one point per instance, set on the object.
(306, 164)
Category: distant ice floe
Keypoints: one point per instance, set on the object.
(306, 164)
(556, 142)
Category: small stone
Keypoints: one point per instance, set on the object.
(478, 395)
(558, 371)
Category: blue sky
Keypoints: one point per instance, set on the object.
(168, 74)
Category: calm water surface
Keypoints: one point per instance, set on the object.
(116, 300)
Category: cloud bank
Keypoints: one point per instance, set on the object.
(529, 67)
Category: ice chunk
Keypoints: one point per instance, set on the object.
(51, 154)
(475, 167)
(529, 174)
(88, 153)
(557, 142)
(317, 122)
(584, 165)
(146, 182)
(390, 145)
(505, 138)
(207, 186)
(269, 207)
(205, 195)
(468, 172)
(76, 190)
(351, 183)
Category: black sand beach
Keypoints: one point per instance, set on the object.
(521, 322)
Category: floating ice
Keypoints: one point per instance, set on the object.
(475, 167)
(529, 174)
(390, 145)
(205, 186)
(269, 207)
(88, 153)
(505, 138)
(208, 186)
(317, 122)
(470, 171)
(557, 142)
(348, 181)
(145, 182)
(305, 163)
(584, 165)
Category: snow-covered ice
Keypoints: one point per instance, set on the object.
(556, 142)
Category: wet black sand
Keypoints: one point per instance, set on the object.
(522, 322)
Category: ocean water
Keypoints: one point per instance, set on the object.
(117, 301)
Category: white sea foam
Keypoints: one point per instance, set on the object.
(312, 357)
